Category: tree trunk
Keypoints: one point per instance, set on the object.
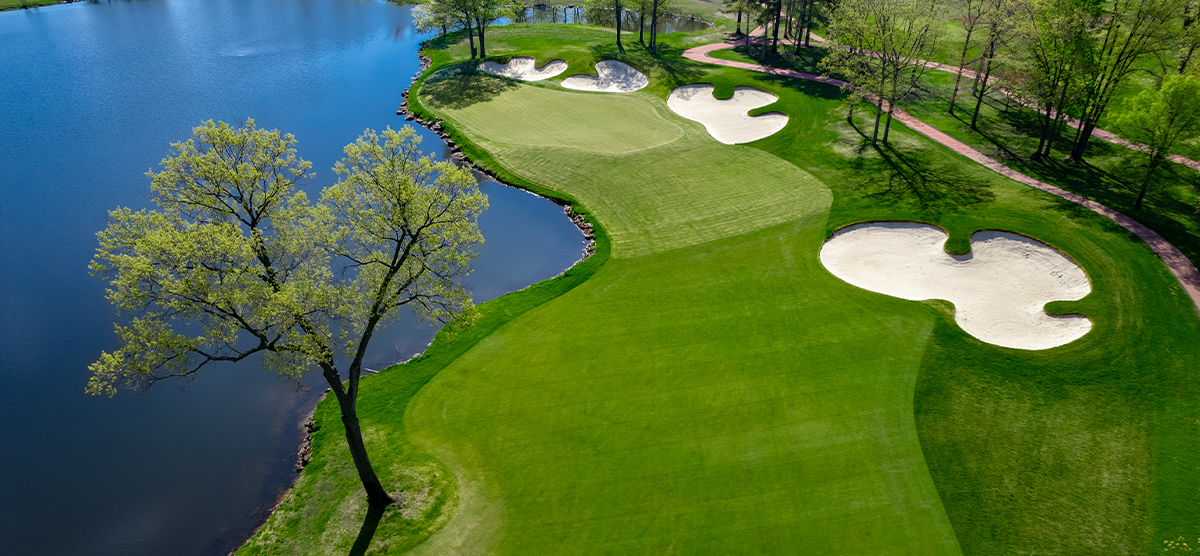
(1037, 155)
(642, 26)
(775, 34)
(878, 114)
(1137, 205)
(1085, 133)
(1183, 61)
(377, 496)
(762, 46)
(482, 51)
(982, 90)
(739, 23)
(807, 21)
(961, 60)
(888, 126)
(1062, 101)
(617, 11)
(654, 28)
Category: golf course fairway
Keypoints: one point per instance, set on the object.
(703, 385)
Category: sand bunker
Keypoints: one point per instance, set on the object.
(999, 290)
(728, 120)
(615, 77)
(522, 68)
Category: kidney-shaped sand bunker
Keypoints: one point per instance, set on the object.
(614, 77)
(522, 67)
(728, 120)
(999, 290)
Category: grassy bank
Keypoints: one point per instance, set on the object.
(710, 388)
(22, 4)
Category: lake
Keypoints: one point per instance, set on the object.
(90, 98)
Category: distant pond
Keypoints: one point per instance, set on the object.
(92, 94)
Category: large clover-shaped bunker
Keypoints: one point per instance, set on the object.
(999, 290)
(613, 77)
(728, 121)
(522, 67)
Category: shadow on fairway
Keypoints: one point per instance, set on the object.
(458, 87)
(370, 524)
(914, 180)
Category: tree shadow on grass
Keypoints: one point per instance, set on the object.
(460, 86)
(367, 532)
(929, 186)
(913, 179)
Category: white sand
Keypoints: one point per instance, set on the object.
(999, 290)
(522, 68)
(728, 120)
(615, 77)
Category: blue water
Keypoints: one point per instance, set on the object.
(90, 96)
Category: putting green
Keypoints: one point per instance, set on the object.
(656, 181)
(542, 117)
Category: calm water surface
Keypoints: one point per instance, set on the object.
(90, 97)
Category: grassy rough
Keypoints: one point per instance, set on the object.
(726, 394)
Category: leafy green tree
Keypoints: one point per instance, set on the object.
(970, 16)
(999, 19)
(1130, 31)
(1190, 33)
(882, 45)
(426, 19)
(1053, 35)
(1160, 120)
(236, 261)
(486, 12)
(852, 57)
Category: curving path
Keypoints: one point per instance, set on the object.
(1179, 265)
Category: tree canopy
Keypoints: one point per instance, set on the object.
(235, 260)
(1160, 120)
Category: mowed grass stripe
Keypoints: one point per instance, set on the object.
(725, 398)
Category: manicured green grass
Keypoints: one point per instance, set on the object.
(712, 389)
(649, 175)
